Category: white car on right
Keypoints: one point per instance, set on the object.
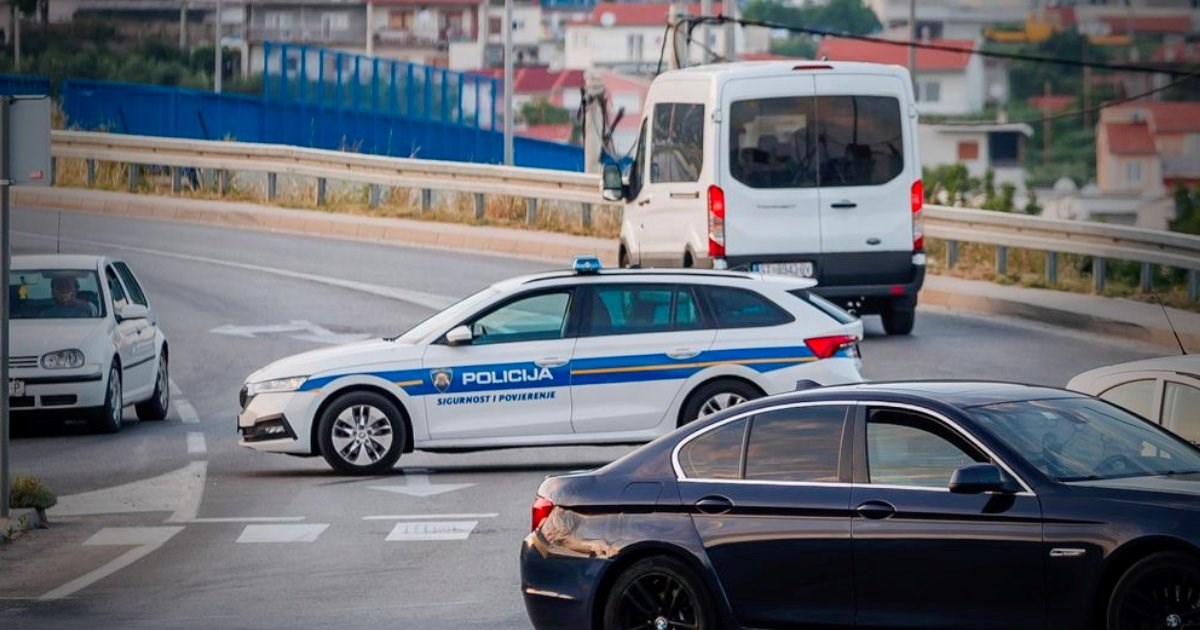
(1165, 390)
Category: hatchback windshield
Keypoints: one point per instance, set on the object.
(1082, 439)
(53, 294)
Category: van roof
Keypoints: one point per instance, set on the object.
(751, 69)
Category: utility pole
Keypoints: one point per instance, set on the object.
(679, 49)
(912, 42)
(1087, 98)
(729, 10)
(16, 38)
(593, 122)
(183, 26)
(1046, 127)
(508, 83)
(706, 32)
(5, 263)
(217, 50)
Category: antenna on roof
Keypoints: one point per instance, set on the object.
(1182, 350)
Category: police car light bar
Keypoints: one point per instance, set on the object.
(586, 264)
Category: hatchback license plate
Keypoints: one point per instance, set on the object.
(801, 269)
(16, 388)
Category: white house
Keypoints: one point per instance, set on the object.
(996, 146)
(948, 83)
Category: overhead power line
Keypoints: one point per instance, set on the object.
(1077, 63)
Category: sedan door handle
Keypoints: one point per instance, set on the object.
(714, 505)
(876, 510)
(683, 353)
(844, 204)
(550, 362)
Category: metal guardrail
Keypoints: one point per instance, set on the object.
(954, 225)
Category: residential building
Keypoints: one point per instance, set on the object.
(947, 83)
(1148, 146)
(560, 88)
(435, 32)
(332, 24)
(949, 19)
(998, 147)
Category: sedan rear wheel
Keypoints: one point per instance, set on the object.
(361, 433)
(658, 593)
(1161, 591)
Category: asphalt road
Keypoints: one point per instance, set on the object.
(173, 525)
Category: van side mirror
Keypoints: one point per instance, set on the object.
(980, 478)
(459, 336)
(611, 185)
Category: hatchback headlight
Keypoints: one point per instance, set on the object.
(275, 386)
(62, 359)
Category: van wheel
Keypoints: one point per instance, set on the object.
(623, 259)
(899, 316)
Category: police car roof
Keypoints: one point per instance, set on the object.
(669, 275)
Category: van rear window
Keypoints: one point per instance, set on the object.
(806, 141)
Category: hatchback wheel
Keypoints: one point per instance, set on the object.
(657, 594)
(361, 433)
(109, 418)
(1161, 591)
(716, 396)
(159, 404)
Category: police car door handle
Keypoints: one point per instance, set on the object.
(683, 353)
(550, 362)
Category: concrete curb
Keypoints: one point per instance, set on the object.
(19, 522)
(529, 244)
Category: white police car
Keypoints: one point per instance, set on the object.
(572, 357)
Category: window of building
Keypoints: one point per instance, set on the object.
(1004, 148)
(796, 444)
(968, 150)
(1133, 172)
(677, 151)
(634, 45)
(931, 91)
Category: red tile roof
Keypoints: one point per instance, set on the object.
(538, 79)
(1167, 117)
(1052, 103)
(1178, 53)
(1129, 139)
(553, 133)
(419, 3)
(1149, 25)
(840, 49)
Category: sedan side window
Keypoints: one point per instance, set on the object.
(906, 449)
(796, 444)
(1135, 396)
(536, 318)
(716, 454)
(1180, 403)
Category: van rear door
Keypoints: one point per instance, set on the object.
(866, 175)
(768, 155)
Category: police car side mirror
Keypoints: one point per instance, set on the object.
(613, 187)
(459, 336)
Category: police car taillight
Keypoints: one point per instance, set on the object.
(825, 347)
(540, 512)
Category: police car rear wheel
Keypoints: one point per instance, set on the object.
(716, 396)
(361, 433)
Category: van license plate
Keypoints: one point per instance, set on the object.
(16, 388)
(801, 269)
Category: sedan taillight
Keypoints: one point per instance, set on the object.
(540, 512)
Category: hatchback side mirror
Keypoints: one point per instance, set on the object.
(132, 311)
(612, 185)
(459, 336)
(980, 478)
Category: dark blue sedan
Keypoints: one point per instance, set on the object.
(897, 505)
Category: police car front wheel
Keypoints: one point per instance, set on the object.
(361, 433)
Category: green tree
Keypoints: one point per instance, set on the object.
(847, 16)
(1187, 210)
(542, 112)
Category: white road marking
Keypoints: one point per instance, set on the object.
(439, 530)
(187, 413)
(313, 333)
(175, 390)
(146, 539)
(431, 301)
(196, 444)
(424, 517)
(249, 519)
(282, 533)
(179, 491)
(418, 485)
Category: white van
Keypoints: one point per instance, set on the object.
(804, 168)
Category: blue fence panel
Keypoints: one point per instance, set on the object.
(194, 114)
(19, 84)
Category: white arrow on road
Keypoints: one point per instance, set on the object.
(310, 332)
(419, 486)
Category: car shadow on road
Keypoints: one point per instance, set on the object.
(460, 469)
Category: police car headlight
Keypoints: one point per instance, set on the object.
(62, 359)
(275, 386)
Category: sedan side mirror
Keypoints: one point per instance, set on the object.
(980, 478)
(612, 186)
(459, 336)
(132, 311)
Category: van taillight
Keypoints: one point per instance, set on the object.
(542, 507)
(917, 200)
(716, 222)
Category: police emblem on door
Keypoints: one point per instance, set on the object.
(441, 379)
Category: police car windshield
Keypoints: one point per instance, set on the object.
(453, 312)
